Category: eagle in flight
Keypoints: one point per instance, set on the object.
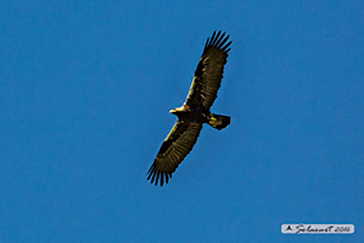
(195, 111)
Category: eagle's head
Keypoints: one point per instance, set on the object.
(180, 110)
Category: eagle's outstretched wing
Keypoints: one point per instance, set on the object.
(174, 149)
(209, 71)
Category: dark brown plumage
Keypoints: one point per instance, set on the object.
(195, 111)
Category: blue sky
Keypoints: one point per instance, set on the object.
(85, 90)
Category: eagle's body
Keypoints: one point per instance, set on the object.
(195, 111)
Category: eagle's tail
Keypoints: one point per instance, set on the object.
(218, 121)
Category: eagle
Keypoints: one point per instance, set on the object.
(195, 111)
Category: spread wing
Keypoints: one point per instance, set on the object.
(209, 72)
(174, 149)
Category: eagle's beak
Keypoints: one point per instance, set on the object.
(172, 111)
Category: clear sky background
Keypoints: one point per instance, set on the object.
(85, 90)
